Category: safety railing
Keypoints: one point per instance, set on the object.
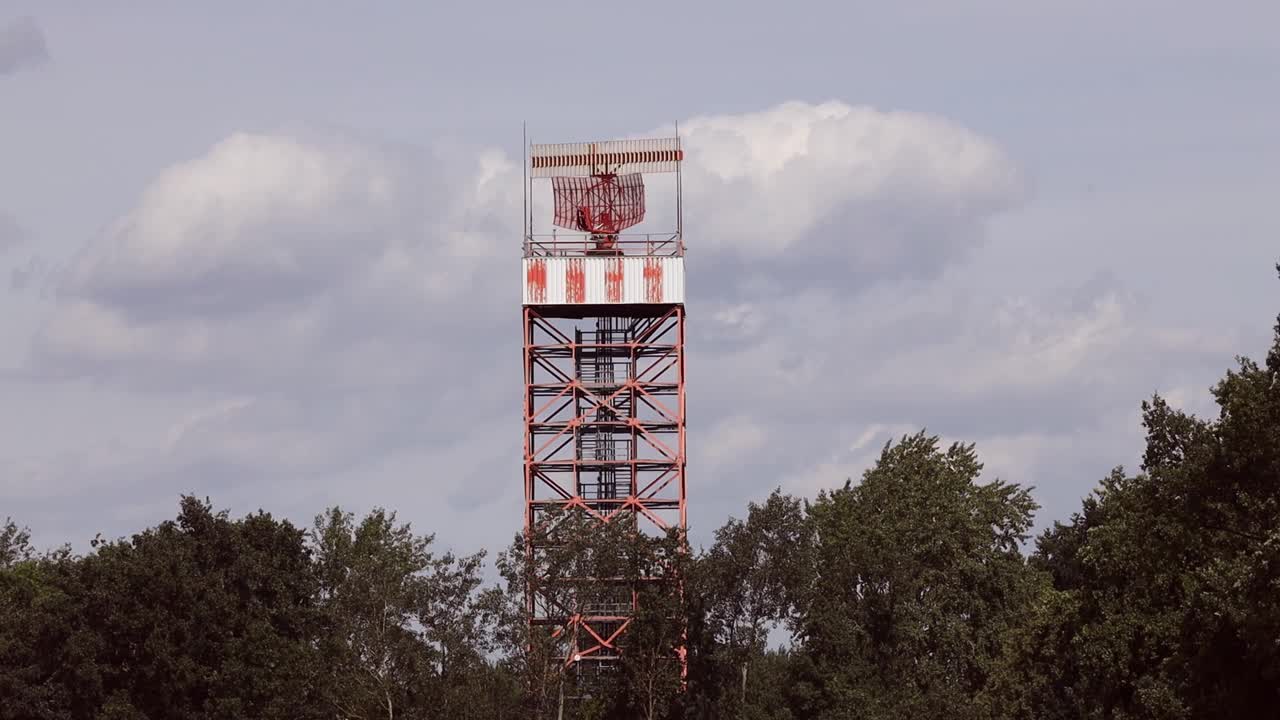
(570, 244)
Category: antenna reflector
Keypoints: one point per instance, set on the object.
(612, 157)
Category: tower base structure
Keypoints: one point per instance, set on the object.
(604, 435)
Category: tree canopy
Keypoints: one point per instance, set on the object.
(912, 591)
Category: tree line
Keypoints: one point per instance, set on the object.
(912, 593)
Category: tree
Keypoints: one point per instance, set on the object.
(204, 617)
(36, 616)
(1167, 583)
(748, 578)
(918, 579)
(402, 633)
(650, 660)
(15, 544)
(584, 566)
(528, 655)
(199, 617)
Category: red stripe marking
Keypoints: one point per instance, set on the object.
(536, 279)
(575, 282)
(613, 280)
(653, 280)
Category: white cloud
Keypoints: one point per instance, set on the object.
(11, 233)
(308, 250)
(1019, 343)
(840, 194)
(846, 461)
(273, 257)
(1194, 399)
(1048, 387)
(731, 440)
(339, 317)
(262, 219)
(256, 210)
(22, 45)
(1059, 466)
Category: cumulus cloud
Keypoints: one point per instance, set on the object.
(22, 45)
(319, 303)
(803, 194)
(343, 314)
(275, 258)
(843, 461)
(11, 233)
(32, 273)
(1047, 386)
(267, 218)
(1060, 466)
(271, 253)
(730, 439)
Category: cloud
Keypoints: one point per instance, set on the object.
(314, 304)
(1060, 466)
(839, 195)
(729, 440)
(22, 46)
(1047, 386)
(842, 462)
(262, 219)
(326, 250)
(275, 259)
(11, 233)
(33, 273)
(332, 318)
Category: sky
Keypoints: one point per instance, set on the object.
(269, 255)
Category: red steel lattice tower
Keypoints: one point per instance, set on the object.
(604, 330)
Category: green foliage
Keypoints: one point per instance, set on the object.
(402, 633)
(529, 658)
(747, 582)
(200, 617)
(918, 578)
(15, 544)
(650, 666)
(206, 617)
(34, 645)
(573, 549)
(1166, 591)
(904, 595)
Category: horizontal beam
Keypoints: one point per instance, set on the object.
(648, 155)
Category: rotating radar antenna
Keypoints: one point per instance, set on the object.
(598, 187)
